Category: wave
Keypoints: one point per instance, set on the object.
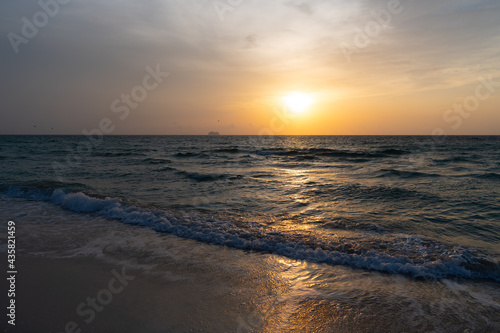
(306, 153)
(276, 152)
(117, 154)
(488, 176)
(393, 151)
(304, 157)
(202, 177)
(359, 192)
(392, 173)
(397, 254)
(186, 155)
(232, 150)
(454, 159)
(164, 169)
(262, 175)
(42, 185)
(326, 152)
(484, 176)
(348, 224)
(156, 160)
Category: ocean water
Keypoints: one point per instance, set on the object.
(420, 212)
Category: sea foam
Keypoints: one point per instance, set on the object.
(404, 254)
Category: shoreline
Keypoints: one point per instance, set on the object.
(59, 294)
(65, 259)
(65, 295)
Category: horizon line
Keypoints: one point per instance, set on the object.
(111, 135)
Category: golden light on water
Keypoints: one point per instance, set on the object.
(297, 102)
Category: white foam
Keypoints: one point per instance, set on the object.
(408, 255)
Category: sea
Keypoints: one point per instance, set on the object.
(406, 227)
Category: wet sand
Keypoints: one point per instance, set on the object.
(65, 260)
(49, 292)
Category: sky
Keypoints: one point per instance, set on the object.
(189, 67)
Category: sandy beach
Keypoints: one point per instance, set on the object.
(104, 276)
(57, 273)
(50, 291)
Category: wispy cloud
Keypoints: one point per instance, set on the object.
(93, 50)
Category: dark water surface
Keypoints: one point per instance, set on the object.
(403, 205)
(343, 234)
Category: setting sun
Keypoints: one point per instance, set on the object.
(297, 102)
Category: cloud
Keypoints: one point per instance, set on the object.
(302, 7)
(92, 51)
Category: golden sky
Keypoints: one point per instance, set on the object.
(367, 67)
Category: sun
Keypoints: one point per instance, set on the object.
(297, 102)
